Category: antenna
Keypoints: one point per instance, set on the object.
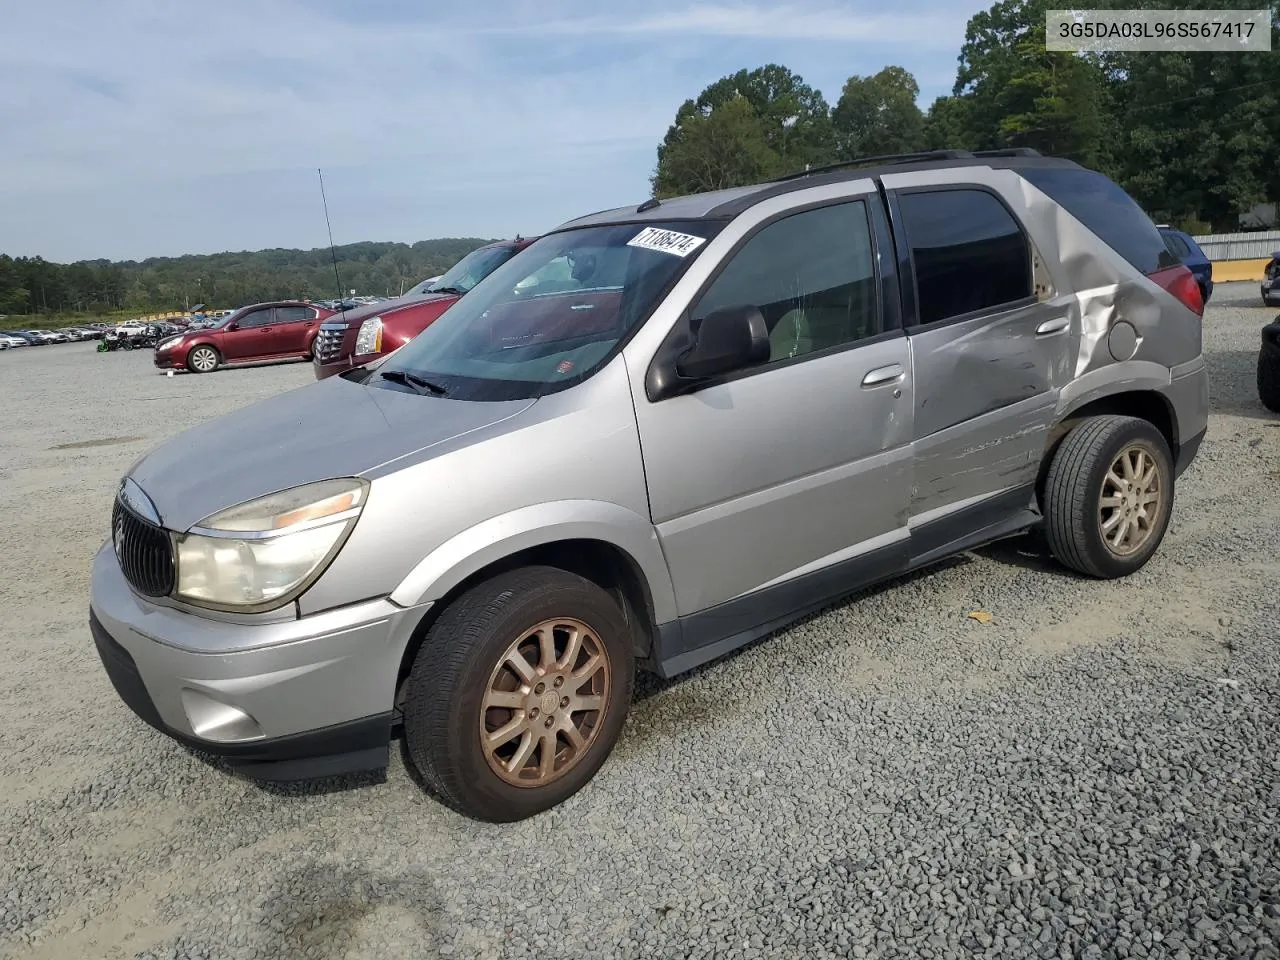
(332, 250)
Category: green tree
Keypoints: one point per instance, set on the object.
(725, 147)
(878, 115)
(1196, 138)
(946, 125)
(788, 126)
(1016, 93)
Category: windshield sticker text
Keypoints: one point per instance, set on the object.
(666, 241)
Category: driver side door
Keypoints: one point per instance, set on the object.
(250, 339)
(777, 485)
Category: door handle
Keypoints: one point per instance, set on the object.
(1050, 327)
(886, 374)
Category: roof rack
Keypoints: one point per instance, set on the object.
(1009, 152)
(909, 158)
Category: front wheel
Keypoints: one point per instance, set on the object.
(202, 360)
(518, 693)
(1108, 496)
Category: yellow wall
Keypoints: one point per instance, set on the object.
(1225, 271)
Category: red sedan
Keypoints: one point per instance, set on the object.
(263, 331)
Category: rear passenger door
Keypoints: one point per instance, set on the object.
(787, 479)
(989, 351)
(292, 328)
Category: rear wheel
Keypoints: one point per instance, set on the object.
(1108, 496)
(1269, 377)
(518, 693)
(203, 359)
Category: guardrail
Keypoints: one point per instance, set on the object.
(1240, 246)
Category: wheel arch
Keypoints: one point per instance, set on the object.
(1146, 404)
(192, 347)
(605, 543)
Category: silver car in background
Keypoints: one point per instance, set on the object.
(656, 434)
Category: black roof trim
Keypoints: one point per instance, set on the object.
(998, 159)
(626, 221)
(867, 161)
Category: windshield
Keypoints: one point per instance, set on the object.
(471, 269)
(549, 317)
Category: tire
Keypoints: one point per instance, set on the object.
(1074, 493)
(203, 359)
(464, 657)
(126, 345)
(1269, 377)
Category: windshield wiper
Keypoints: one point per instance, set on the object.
(456, 291)
(413, 380)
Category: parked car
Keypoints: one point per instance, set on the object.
(43, 337)
(263, 331)
(1271, 282)
(362, 334)
(1269, 367)
(1183, 246)
(13, 340)
(726, 411)
(31, 338)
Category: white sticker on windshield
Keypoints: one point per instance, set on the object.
(666, 241)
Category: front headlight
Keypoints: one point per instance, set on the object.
(369, 339)
(261, 554)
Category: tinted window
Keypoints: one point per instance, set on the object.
(968, 251)
(811, 274)
(258, 318)
(293, 314)
(1107, 211)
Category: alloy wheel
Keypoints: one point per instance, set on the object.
(204, 360)
(544, 702)
(1132, 500)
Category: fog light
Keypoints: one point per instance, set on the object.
(213, 720)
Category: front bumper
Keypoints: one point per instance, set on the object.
(284, 700)
(165, 361)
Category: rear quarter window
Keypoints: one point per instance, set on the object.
(1109, 213)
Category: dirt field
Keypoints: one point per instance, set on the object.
(1092, 774)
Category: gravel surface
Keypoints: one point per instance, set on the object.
(1092, 774)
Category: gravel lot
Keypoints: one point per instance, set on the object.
(1092, 774)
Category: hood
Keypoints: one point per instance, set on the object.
(328, 429)
(360, 314)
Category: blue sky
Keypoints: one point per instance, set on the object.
(137, 128)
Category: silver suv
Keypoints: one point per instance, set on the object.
(654, 435)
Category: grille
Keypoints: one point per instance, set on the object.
(328, 345)
(145, 552)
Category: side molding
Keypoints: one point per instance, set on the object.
(474, 549)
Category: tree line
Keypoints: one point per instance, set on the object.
(1194, 137)
(32, 285)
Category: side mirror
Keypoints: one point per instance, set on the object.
(232, 326)
(725, 340)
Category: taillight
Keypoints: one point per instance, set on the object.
(1181, 282)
